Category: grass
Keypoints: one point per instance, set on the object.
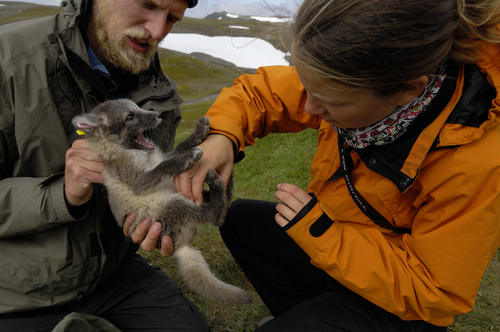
(196, 78)
(486, 314)
(287, 158)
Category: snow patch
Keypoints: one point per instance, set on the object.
(244, 52)
(271, 19)
(238, 27)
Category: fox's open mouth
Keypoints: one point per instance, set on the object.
(142, 143)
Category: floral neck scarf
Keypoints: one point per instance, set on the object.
(387, 130)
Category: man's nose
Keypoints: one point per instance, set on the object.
(157, 26)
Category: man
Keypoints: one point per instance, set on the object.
(61, 252)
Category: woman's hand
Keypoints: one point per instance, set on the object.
(218, 155)
(294, 198)
(148, 235)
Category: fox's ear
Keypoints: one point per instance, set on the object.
(83, 124)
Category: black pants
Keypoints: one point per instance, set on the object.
(301, 297)
(137, 297)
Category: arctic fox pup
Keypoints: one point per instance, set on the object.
(139, 179)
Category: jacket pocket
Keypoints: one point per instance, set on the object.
(303, 212)
(310, 225)
(36, 263)
(319, 226)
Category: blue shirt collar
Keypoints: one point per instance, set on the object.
(95, 63)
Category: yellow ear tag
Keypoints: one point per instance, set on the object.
(80, 132)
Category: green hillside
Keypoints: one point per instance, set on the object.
(19, 11)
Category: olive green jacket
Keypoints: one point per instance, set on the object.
(49, 256)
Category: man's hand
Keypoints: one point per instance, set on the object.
(83, 170)
(294, 198)
(148, 235)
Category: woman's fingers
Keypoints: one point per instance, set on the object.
(294, 200)
(291, 195)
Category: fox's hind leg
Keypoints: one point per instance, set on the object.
(216, 201)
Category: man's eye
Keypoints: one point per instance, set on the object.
(145, 4)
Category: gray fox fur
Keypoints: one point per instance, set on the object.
(139, 179)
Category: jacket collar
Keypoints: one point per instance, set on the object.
(468, 106)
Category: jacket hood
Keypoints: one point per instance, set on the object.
(476, 117)
(75, 10)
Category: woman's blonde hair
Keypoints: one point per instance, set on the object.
(382, 44)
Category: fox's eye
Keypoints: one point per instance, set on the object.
(130, 117)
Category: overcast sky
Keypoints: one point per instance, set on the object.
(207, 7)
(245, 7)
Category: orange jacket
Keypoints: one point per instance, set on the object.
(441, 180)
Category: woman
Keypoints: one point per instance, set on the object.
(402, 215)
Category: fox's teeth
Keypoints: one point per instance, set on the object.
(139, 139)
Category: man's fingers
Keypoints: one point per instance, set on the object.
(81, 150)
(129, 220)
(167, 248)
(85, 171)
(82, 170)
(140, 231)
(151, 240)
(148, 235)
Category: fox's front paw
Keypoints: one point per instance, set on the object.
(201, 130)
(192, 156)
(196, 153)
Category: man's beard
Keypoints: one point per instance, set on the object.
(111, 42)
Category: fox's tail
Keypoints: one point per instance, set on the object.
(195, 271)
